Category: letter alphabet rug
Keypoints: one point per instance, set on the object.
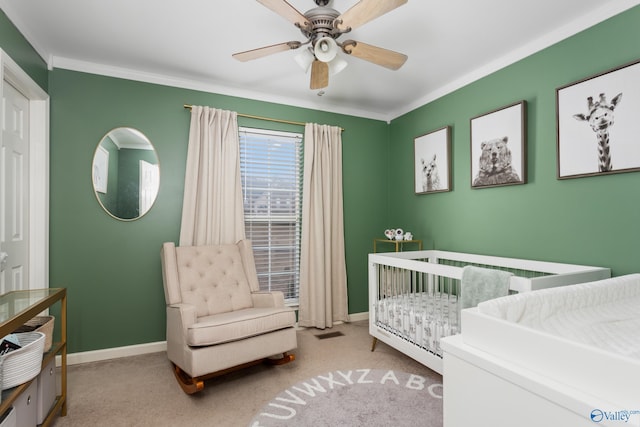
(359, 397)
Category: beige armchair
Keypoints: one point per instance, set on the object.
(217, 319)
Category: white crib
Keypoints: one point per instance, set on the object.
(413, 296)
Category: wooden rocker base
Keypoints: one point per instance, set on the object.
(191, 385)
(286, 358)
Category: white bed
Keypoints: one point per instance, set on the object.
(413, 296)
(567, 356)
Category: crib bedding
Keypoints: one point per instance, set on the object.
(422, 318)
(604, 314)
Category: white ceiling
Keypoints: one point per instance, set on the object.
(189, 43)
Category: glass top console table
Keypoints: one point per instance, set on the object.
(16, 308)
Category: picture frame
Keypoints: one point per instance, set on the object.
(432, 161)
(499, 147)
(597, 127)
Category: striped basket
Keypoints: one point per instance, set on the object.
(23, 364)
(42, 324)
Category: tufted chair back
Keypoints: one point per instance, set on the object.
(217, 317)
(214, 279)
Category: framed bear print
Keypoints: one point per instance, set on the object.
(432, 161)
(597, 124)
(499, 147)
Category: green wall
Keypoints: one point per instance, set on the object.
(592, 220)
(112, 268)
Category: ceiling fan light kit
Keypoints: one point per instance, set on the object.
(337, 65)
(304, 59)
(325, 49)
(322, 26)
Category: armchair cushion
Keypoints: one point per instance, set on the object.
(217, 318)
(213, 279)
(268, 299)
(238, 325)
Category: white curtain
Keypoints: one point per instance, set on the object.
(323, 272)
(212, 211)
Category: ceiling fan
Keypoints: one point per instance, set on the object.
(322, 26)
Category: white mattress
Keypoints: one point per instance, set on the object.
(605, 314)
(422, 318)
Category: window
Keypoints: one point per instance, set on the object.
(271, 169)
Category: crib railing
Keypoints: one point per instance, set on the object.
(421, 317)
(414, 295)
(416, 306)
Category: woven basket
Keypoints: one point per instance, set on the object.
(42, 324)
(23, 364)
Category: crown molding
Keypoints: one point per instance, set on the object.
(580, 24)
(164, 80)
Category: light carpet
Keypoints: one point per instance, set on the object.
(141, 391)
(360, 397)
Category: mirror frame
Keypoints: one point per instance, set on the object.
(100, 149)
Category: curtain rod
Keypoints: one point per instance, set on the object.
(249, 116)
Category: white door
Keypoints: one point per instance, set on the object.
(149, 185)
(14, 191)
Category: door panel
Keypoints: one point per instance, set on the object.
(149, 185)
(14, 188)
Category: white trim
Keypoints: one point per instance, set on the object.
(581, 23)
(356, 317)
(24, 30)
(215, 88)
(11, 72)
(113, 353)
(153, 347)
(601, 14)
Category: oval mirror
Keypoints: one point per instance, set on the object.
(126, 175)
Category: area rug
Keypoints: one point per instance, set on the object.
(360, 397)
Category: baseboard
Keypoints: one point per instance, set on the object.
(355, 317)
(139, 349)
(113, 353)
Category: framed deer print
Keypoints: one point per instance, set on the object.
(597, 124)
(432, 161)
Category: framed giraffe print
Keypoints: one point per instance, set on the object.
(432, 161)
(597, 124)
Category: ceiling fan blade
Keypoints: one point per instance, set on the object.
(265, 51)
(319, 75)
(384, 57)
(365, 11)
(288, 12)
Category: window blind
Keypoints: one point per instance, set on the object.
(271, 170)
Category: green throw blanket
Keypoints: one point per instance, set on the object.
(482, 284)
